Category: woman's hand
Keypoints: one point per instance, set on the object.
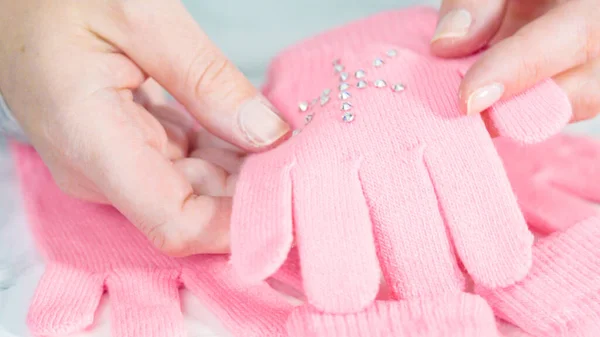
(73, 71)
(530, 41)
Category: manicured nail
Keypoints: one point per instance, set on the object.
(455, 23)
(260, 123)
(484, 97)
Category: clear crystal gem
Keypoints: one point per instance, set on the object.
(398, 87)
(344, 86)
(360, 74)
(361, 84)
(324, 100)
(392, 53)
(296, 132)
(326, 92)
(303, 106)
(344, 95)
(378, 62)
(308, 118)
(379, 83)
(348, 117)
(344, 76)
(338, 68)
(346, 106)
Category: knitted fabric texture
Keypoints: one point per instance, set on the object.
(90, 249)
(555, 182)
(561, 295)
(388, 173)
(461, 315)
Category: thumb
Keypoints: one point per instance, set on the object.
(465, 26)
(166, 42)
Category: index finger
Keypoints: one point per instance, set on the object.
(148, 190)
(165, 41)
(565, 37)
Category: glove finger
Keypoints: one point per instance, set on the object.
(65, 301)
(244, 310)
(262, 234)
(145, 303)
(416, 257)
(548, 209)
(480, 209)
(334, 234)
(289, 274)
(545, 106)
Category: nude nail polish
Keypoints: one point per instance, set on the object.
(455, 23)
(260, 123)
(484, 97)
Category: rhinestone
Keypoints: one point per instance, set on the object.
(344, 95)
(338, 68)
(360, 74)
(378, 62)
(346, 106)
(296, 132)
(326, 92)
(303, 106)
(392, 53)
(344, 86)
(398, 87)
(324, 100)
(348, 117)
(308, 118)
(380, 83)
(361, 84)
(344, 76)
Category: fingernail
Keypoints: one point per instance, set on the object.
(484, 97)
(260, 123)
(455, 23)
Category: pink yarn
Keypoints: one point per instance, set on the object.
(90, 249)
(560, 297)
(447, 316)
(552, 180)
(404, 186)
(555, 180)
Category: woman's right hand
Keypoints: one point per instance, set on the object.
(70, 72)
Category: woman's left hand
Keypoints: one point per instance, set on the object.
(529, 41)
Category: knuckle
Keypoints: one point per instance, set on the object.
(167, 238)
(207, 70)
(530, 66)
(590, 44)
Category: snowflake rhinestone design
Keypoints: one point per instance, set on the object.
(348, 81)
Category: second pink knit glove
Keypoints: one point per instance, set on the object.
(555, 181)
(90, 249)
(387, 173)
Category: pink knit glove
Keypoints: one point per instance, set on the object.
(561, 295)
(90, 249)
(450, 315)
(365, 184)
(555, 180)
